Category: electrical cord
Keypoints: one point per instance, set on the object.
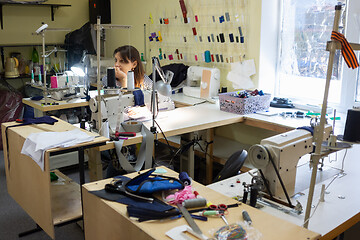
(335, 177)
(181, 150)
(167, 142)
(185, 147)
(342, 163)
(318, 203)
(200, 103)
(334, 160)
(206, 148)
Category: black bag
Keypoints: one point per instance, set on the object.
(179, 70)
(78, 41)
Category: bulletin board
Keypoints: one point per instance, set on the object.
(204, 33)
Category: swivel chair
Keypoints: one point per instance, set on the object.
(232, 165)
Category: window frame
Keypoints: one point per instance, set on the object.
(270, 52)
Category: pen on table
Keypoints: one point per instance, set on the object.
(246, 217)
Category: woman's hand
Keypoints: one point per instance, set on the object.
(121, 77)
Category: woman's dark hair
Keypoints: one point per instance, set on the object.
(130, 53)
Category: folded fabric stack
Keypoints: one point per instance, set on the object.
(36, 144)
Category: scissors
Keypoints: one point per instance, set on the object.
(222, 208)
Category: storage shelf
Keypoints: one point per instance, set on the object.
(52, 7)
(2, 77)
(65, 200)
(62, 45)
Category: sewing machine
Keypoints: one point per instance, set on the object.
(202, 82)
(112, 109)
(90, 63)
(284, 150)
(67, 85)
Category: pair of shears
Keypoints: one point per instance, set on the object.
(221, 208)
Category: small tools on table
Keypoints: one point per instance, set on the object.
(123, 136)
(219, 210)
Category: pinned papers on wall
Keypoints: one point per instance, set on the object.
(240, 74)
(195, 28)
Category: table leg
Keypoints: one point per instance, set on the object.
(95, 165)
(209, 155)
(81, 165)
(189, 157)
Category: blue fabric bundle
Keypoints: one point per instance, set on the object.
(147, 184)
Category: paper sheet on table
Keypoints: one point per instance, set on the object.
(240, 74)
(36, 144)
(137, 113)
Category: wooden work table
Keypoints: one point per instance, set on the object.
(40, 108)
(208, 116)
(105, 219)
(47, 203)
(341, 208)
(187, 120)
(54, 104)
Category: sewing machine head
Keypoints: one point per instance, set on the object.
(67, 85)
(113, 107)
(281, 153)
(90, 64)
(202, 82)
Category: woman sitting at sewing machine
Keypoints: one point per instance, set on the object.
(127, 58)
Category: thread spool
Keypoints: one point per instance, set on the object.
(194, 203)
(53, 81)
(82, 123)
(245, 196)
(40, 82)
(111, 80)
(32, 77)
(130, 80)
(352, 126)
(207, 56)
(210, 213)
(132, 126)
(184, 177)
(253, 196)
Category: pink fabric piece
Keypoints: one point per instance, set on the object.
(180, 196)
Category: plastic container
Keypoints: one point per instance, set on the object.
(231, 103)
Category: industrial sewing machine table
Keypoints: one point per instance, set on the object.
(48, 204)
(105, 219)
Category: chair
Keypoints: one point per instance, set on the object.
(232, 165)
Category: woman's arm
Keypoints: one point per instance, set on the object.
(121, 77)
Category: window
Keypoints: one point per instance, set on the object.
(305, 28)
(299, 53)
